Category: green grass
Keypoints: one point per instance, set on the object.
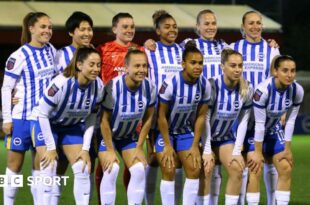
(300, 184)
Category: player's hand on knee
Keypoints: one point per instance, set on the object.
(239, 160)
(208, 163)
(7, 128)
(169, 155)
(49, 157)
(256, 162)
(109, 159)
(139, 156)
(286, 155)
(84, 156)
(196, 157)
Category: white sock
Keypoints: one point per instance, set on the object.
(215, 185)
(56, 191)
(190, 191)
(9, 192)
(178, 186)
(45, 193)
(283, 197)
(252, 198)
(202, 200)
(34, 187)
(136, 186)
(241, 200)
(150, 184)
(81, 186)
(108, 185)
(167, 192)
(231, 199)
(271, 180)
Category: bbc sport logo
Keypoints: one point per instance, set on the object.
(18, 180)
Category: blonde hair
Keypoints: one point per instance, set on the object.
(243, 84)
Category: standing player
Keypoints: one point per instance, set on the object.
(28, 72)
(274, 97)
(164, 62)
(181, 118)
(231, 99)
(257, 57)
(65, 117)
(113, 64)
(80, 28)
(129, 99)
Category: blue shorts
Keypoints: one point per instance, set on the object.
(120, 145)
(273, 143)
(20, 140)
(63, 135)
(220, 143)
(179, 142)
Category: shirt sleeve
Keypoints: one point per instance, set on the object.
(13, 69)
(207, 92)
(165, 92)
(249, 98)
(259, 102)
(292, 114)
(108, 100)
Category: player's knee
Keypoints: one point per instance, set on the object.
(137, 171)
(77, 168)
(235, 172)
(50, 170)
(285, 169)
(168, 174)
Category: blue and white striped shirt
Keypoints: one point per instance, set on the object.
(183, 99)
(128, 107)
(270, 104)
(29, 70)
(257, 58)
(164, 62)
(225, 107)
(66, 103)
(64, 56)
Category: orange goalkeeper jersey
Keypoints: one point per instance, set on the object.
(113, 56)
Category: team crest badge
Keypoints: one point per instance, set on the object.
(10, 64)
(52, 90)
(163, 88)
(257, 95)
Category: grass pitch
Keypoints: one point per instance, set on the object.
(300, 183)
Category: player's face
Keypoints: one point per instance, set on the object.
(82, 35)
(192, 65)
(286, 73)
(124, 30)
(207, 27)
(137, 68)
(41, 31)
(90, 67)
(168, 31)
(253, 27)
(233, 68)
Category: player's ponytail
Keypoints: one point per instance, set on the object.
(190, 47)
(29, 20)
(243, 84)
(159, 16)
(80, 55)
